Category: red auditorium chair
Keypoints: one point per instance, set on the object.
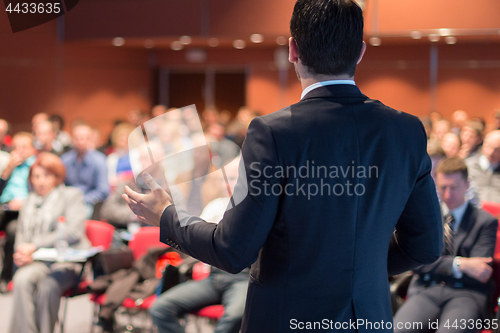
(491, 207)
(99, 234)
(144, 239)
(212, 312)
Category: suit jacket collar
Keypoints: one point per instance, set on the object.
(468, 220)
(333, 91)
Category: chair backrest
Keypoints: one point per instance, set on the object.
(145, 238)
(99, 233)
(497, 248)
(496, 279)
(200, 271)
(491, 207)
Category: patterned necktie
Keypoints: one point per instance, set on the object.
(449, 220)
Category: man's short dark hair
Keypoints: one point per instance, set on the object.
(328, 34)
(57, 118)
(453, 165)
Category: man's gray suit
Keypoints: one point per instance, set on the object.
(485, 182)
(435, 293)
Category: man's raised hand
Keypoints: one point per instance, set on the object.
(148, 207)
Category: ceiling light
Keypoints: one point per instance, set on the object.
(118, 41)
(444, 32)
(176, 46)
(257, 38)
(416, 34)
(185, 40)
(213, 42)
(149, 43)
(239, 44)
(375, 41)
(450, 40)
(434, 38)
(281, 40)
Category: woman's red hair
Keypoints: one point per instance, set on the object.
(51, 163)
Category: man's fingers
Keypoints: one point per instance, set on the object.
(129, 201)
(132, 205)
(132, 194)
(150, 182)
(142, 219)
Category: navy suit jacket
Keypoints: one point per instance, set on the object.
(321, 258)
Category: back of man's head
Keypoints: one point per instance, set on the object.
(328, 34)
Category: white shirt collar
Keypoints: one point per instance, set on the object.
(325, 83)
(485, 164)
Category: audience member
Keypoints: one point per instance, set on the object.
(218, 288)
(459, 118)
(4, 161)
(39, 285)
(209, 116)
(451, 144)
(119, 162)
(63, 138)
(237, 129)
(426, 121)
(4, 131)
(86, 169)
(225, 117)
(459, 284)
(222, 149)
(14, 180)
(95, 142)
(45, 136)
(482, 122)
(497, 119)
(484, 168)
(14, 190)
(158, 110)
(435, 116)
(436, 153)
(38, 118)
(471, 137)
(440, 129)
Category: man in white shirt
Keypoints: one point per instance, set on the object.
(458, 285)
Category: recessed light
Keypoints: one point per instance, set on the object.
(416, 34)
(450, 40)
(434, 38)
(185, 40)
(176, 46)
(257, 38)
(149, 43)
(444, 32)
(118, 41)
(281, 40)
(375, 41)
(213, 42)
(239, 44)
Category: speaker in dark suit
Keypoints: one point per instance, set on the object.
(454, 291)
(339, 194)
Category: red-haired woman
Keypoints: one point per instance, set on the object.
(38, 285)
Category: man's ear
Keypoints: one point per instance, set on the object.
(363, 49)
(293, 56)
